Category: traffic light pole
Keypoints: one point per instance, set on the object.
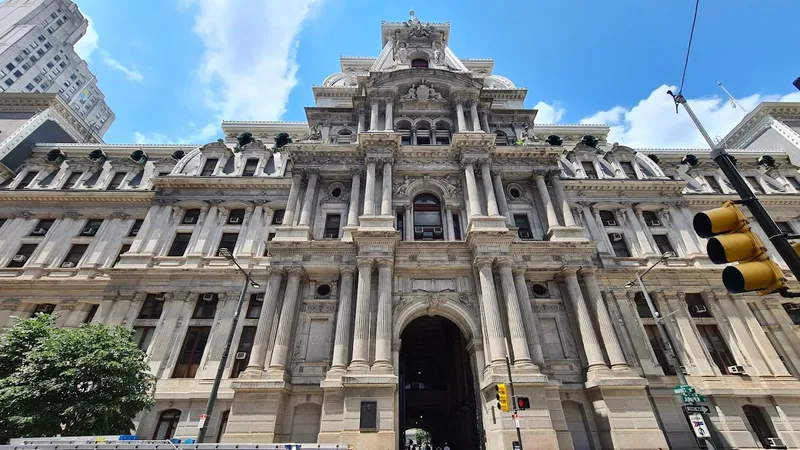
(514, 400)
(721, 157)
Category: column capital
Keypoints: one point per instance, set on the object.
(570, 272)
(347, 270)
(365, 262)
(356, 171)
(518, 270)
(504, 263)
(274, 270)
(384, 263)
(587, 272)
(296, 271)
(481, 262)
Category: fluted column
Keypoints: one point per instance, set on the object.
(340, 343)
(265, 320)
(386, 198)
(552, 218)
(451, 232)
(280, 351)
(294, 192)
(373, 116)
(473, 112)
(594, 354)
(529, 318)
(491, 201)
(355, 187)
(472, 189)
(613, 348)
(499, 193)
(491, 311)
(362, 119)
(561, 198)
(308, 199)
(383, 333)
(462, 121)
(360, 359)
(369, 190)
(519, 342)
(388, 125)
(485, 121)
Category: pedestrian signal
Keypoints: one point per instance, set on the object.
(523, 403)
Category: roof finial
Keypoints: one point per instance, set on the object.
(411, 13)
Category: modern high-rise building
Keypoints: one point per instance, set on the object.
(420, 226)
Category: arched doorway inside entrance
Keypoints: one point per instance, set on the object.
(437, 387)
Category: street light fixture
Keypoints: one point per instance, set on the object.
(224, 252)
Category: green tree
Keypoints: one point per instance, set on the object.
(70, 381)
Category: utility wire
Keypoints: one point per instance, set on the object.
(689, 48)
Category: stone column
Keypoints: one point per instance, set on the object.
(552, 218)
(491, 311)
(389, 125)
(409, 226)
(362, 119)
(529, 318)
(472, 189)
(485, 121)
(519, 341)
(638, 230)
(473, 112)
(613, 348)
(386, 198)
(500, 195)
(451, 231)
(265, 320)
(369, 190)
(373, 116)
(561, 198)
(294, 192)
(594, 354)
(360, 359)
(383, 333)
(340, 343)
(355, 187)
(462, 122)
(491, 201)
(308, 199)
(280, 351)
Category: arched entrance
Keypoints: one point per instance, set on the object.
(437, 387)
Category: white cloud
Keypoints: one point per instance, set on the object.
(249, 69)
(654, 123)
(88, 43)
(130, 74)
(549, 113)
(196, 136)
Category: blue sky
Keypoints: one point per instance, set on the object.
(173, 69)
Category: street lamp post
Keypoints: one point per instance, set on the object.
(212, 398)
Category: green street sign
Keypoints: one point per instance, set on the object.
(683, 390)
(696, 398)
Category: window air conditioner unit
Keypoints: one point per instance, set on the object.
(699, 309)
(437, 230)
(189, 219)
(330, 236)
(610, 223)
(775, 443)
(736, 370)
(39, 232)
(134, 231)
(653, 223)
(208, 297)
(260, 297)
(241, 355)
(88, 232)
(616, 237)
(525, 234)
(19, 258)
(68, 265)
(235, 220)
(417, 229)
(792, 306)
(161, 296)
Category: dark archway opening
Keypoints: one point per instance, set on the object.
(437, 386)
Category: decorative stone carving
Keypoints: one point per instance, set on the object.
(401, 188)
(423, 92)
(120, 215)
(319, 308)
(72, 215)
(23, 214)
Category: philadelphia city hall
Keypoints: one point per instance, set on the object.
(420, 226)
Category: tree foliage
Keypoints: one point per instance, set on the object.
(70, 381)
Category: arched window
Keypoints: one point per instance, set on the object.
(419, 63)
(501, 138)
(759, 424)
(442, 133)
(427, 218)
(344, 136)
(423, 133)
(167, 423)
(404, 128)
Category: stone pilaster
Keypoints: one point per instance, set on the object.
(383, 334)
(591, 346)
(360, 359)
(500, 195)
(613, 348)
(518, 338)
(544, 196)
(491, 201)
(265, 321)
(472, 189)
(491, 311)
(308, 199)
(280, 352)
(341, 343)
(369, 190)
(294, 193)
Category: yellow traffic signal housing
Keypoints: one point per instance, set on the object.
(502, 396)
(730, 239)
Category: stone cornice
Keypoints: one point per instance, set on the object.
(616, 184)
(220, 182)
(77, 196)
(718, 199)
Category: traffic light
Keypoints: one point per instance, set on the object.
(502, 396)
(523, 403)
(732, 240)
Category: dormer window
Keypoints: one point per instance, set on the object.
(501, 139)
(588, 169)
(627, 167)
(344, 137)
(419, 64)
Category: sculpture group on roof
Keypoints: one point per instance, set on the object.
(422, 92)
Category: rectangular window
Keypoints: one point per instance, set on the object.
(794, 182)
(10, 67)
(785, 227)
(716, 347)
(44, 308)
(588, 169)
(250, 167)
(228, 241)
(39, 52)
(116, 180)
(30, 87)
(277, 218)
(42, 227)
(254, 306)
(41, 38)
(206, 306)
(180, 244)
(651, 219)
(400, 217)
(91, 227)
(26, 180)
(713, 184)
(152, 307)
(72, 180)
(192, 352)
(92, 312)
(242, 355)
(9, 82)
(642, 309)
(124, 249)
(236, 217)
(793, 310)
(190, 216)
(663, 243)
(521, 221)
(619, 246)
(658, 349)
(23, 254)
(697, 306)
(456, 227)
(142, 337)
(332, 222)
(755, 185)
(17, 73)
(270, 236)
(74, 256)
(208, 168)
(137, 225)
(609, 218)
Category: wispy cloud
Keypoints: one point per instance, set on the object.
(197, 135)
(130, 74)
(88, 43)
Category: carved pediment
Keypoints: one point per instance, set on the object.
(218, 147)
(83, 163)
(125, 163)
